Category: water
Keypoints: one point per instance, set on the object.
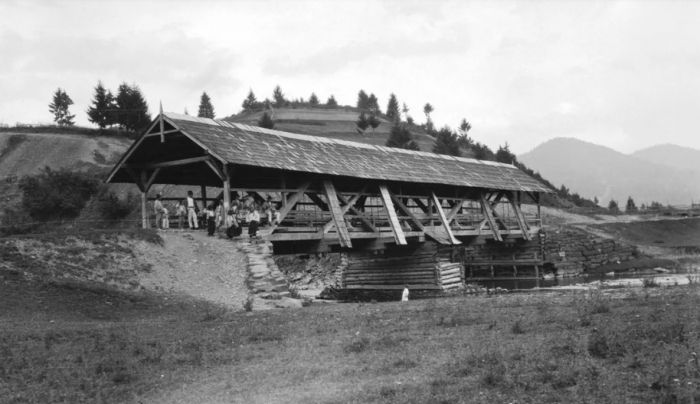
(629, 278)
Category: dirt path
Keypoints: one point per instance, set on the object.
(200, 266)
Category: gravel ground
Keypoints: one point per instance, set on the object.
(200, 266)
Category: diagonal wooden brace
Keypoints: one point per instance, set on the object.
(443, 218)
(349, 205)
(486, 207)
(407, 211)
(519, 216)
(334, 206)
(393, 219)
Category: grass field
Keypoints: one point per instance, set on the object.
(73, 344)
(662, 233)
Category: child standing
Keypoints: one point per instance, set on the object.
(181, 212)
(253, 219)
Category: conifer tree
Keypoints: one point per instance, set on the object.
(401, 137)
(504, 155)
(595, 200)
(206, 109)
(362, 100)
(373, 121)
(631, 206)
(278, 96)
(332, 102)
(131, 108)
(481, 151)
(464, 140)
(100, 112)
(362, 122)
(429, 127)
(612, 205)
(266, 122)
(59, 108)
(405, 110)
(373, 104)
(250, 103)
(446, 143)
(313, 100)
(392, 108)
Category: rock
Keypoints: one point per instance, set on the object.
(661, 270)
(610, 273)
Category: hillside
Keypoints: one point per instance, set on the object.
(598, 171)
(682, 158)
(333, 123)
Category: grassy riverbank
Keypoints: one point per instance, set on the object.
(611, 346)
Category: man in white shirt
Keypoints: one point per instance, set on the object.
(191, 211)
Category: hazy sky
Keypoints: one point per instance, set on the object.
(621, 74)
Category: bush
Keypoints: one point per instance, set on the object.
(113, 208)
(56, 193)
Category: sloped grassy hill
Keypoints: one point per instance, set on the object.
(336, 123)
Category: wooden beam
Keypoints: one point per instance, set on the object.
(445, 223)
(293, 199)
(455, 210)
(486, 207)
(337, 215)
(144, 201)
(150, 180)
(393, 220)
(136, 177)
(405, 209)
(318, 201)
(522, 224)
(420, 204)
(227, 189)
(215, 168)
(350, 205)
(165, 132)
(204, 197)
(173, 163)
(162, 124)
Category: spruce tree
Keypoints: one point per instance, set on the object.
(332, 102)
(266, 122)
(250, 103)
(595, 200)
(481, 151)
(362, 122)
(446, 143)
(206, 109)
(612, 205)
(278, 96)
(362, 100)
(464, 140)
(59, 108)
(504, 155)
(99, 113)
(631, 206)
(392, 108)
(429, 126)
(373, 121)
(313, 100)
(373, 104)
(405, 110)
(132, 109)
(401, 137)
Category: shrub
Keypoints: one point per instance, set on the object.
(650, 283)
(248, 304)
(114, 208)
(56, 193)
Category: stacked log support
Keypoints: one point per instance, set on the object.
(394, 268)
(451, 275)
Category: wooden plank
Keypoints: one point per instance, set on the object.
(162, 124)
(144, 202)
(518, 215)
(318, 201)
(393, 220)
(445, 223)
(332, 201)
(165, 132)
(489, 218)
(350, 205)
(293, 199)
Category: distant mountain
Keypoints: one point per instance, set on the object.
(597, 171)
(671, 155)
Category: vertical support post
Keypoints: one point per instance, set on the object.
(162, 125)
(227, 189)
(539, 207)
(284, 194)
(144, 201)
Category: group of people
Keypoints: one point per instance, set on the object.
(246, 211)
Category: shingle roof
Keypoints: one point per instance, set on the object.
(242, 144)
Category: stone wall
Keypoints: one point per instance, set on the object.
(572, 251)
(490, 250)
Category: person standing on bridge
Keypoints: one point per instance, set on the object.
(160, 211)
(253, 219)
(192, 211)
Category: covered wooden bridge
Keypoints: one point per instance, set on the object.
(336, 195)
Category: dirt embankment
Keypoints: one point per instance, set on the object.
(188, 264)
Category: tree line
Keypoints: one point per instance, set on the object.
(128, 109)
